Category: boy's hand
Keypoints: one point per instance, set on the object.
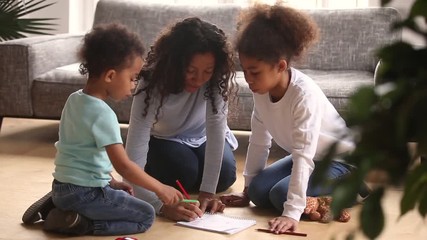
(169, 195)
(122, 186)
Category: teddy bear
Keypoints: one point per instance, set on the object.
(319, 209)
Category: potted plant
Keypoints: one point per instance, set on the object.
(385, 118)
(12, 23)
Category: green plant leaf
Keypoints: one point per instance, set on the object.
(422, 146)
(319, 174)
(350, 236)
(360, 105)
(33, 6)
(385, 2)
(372, 216)
(12, 26)
(7, 5)
(422, 207)
(414, 184)
(419, 8)
(416, 106)
(344, 194)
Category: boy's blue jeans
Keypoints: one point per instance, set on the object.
(113, 212)
(270, 187)
(168, 161)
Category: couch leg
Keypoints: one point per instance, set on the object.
(1, 121)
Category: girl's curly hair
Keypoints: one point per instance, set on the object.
(108, 46)
(169, 57)
(270, 33)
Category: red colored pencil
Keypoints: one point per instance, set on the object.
(288, 233)
(182, 189)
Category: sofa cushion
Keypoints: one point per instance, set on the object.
(149, 19)
(349, 38)
(338, 86)
(59, 83)
(51, 90)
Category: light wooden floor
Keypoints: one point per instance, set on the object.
(26, 160)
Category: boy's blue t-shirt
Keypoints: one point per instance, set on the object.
(87, 126)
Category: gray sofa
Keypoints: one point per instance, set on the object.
(35, 80)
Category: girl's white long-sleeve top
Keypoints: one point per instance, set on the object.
(303, 123)
(186, 118)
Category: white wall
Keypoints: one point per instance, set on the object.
(58, 10)
(73, 16)
(81, 15)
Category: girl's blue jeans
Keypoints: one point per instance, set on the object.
(113, 212)
(168, 161)
(270, 187)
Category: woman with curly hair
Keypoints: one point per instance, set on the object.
(289, 107)
(178, 125)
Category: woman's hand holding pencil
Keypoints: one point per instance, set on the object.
(206, 200)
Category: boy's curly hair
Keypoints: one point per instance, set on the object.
(108, 46)
(169, 57)
(270, 33)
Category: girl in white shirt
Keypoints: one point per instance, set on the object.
(289, 107)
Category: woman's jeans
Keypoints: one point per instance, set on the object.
(113, 212)
(270, 187)
(168, 161)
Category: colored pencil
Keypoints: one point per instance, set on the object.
(182, 189)
(287, 233)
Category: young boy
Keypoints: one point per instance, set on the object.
(87, 198)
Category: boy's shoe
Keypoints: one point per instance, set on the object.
(38, 210)
(68, 222)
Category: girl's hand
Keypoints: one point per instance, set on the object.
(182, 211)
(282, 224)
(208, 203)
(121, 186)
(169, 195)
(235, 199)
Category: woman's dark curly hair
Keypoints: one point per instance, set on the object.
(168, 59)
(108, 46)
(270, 33)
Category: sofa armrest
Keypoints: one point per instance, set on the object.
(22, 60)
(377, 79)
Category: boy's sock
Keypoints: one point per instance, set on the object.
(38, 210)
(68, 222)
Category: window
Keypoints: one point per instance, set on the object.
(81, 11)
(293, 3)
